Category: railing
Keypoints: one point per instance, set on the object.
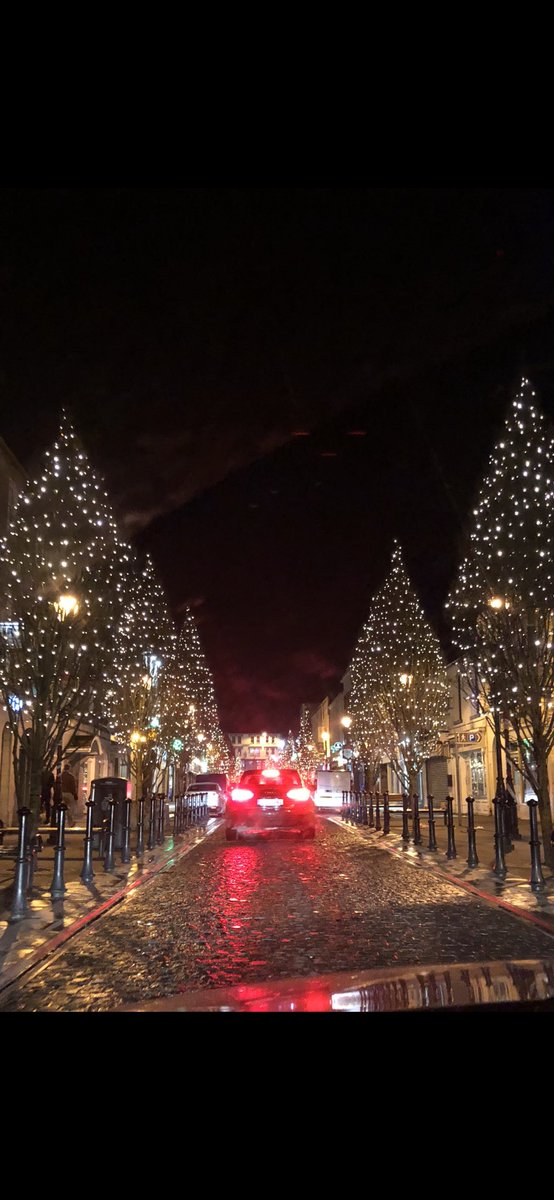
(104, 840)
(364, 808)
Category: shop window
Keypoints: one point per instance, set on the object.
(477, 775)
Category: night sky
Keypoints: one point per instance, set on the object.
(198, 335)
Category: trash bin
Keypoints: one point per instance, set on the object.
(101, 791)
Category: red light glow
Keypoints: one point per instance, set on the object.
(242, 794)
(271, 773)
(300, 793)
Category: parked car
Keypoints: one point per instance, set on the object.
(270, 800)
(216, 797)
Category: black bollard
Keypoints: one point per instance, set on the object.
(140, 826)
(176, 818)
(87, 872)
(416, 822)
(472, 860)
(431, 818)
(405, 826)
(451, 849)
(35, 847)
(512, 804)
(536, 881)
(386, 814)
(152, 823)
(371, 817)
(126, 848)
(499, 868)
(58, 888)
(377, 813)
(109, 859)
(161, 815)
(19, 902)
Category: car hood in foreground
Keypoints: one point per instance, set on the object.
(392, 989)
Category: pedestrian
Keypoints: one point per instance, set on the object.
(69, 793)
(46, 789)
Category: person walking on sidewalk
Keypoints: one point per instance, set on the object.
(47, 786)
(69, 793)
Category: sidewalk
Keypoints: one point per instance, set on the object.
(513, 892)
(50, 923)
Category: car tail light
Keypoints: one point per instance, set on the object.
(242, 794)
(298, 794)
(271, 773)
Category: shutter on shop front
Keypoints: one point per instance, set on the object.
(437, 778)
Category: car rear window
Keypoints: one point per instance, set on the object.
(258, 779)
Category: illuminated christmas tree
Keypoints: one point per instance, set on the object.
(204, 744)
(289, 752)
(306, 751)
(141, 690)
(63, 571)
(399, 699)
(502, 604)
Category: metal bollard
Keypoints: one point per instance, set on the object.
(140, 826)
(87, 872)
(365, 818)
(126, 848)
(19, 903)
(472, 859)
(34, 848)
(109, 859)
(176, 818)
(537, 878)
(431, 817)
(161, 815)
(152, 824)
(405, 826)
(416, 821)
(58, 888)
(377, 813)
(371, 820)
(451, 850)
(499, 868)
(386, 814)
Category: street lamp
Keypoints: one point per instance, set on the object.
(502, 837)
(67, 606)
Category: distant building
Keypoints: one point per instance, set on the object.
(254, 751)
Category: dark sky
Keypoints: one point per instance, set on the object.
(194, 333)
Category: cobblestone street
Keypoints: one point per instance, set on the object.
(230, 914)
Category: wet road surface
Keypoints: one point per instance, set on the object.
(233, 913)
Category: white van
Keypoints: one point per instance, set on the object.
(329, 788)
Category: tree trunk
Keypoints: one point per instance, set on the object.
(545, 810)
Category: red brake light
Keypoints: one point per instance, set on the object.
(242, 794)
(298, 793)
(271, 773)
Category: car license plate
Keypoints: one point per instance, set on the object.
(270, 805)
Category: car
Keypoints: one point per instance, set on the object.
(268, 800)
(216, 798)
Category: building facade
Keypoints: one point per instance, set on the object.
(254, 751)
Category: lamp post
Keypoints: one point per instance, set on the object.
(346, 722)
(501, 813)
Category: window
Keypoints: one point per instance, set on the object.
(477, 775)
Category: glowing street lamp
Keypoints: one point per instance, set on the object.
(406, 680)
(67, 606)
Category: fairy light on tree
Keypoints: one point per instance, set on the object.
(502, 604)
(306, 750)
(141, 684)
(399, 698)
(63, 569)
(195, 712)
